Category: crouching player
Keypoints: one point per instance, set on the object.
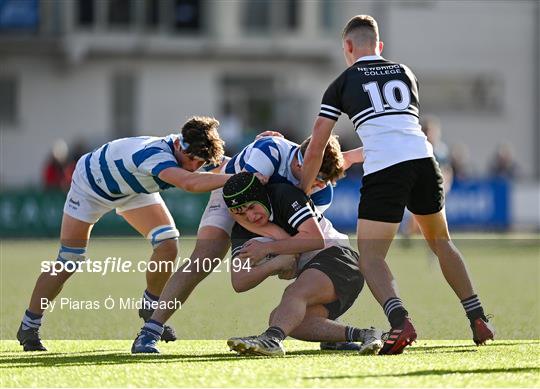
(126, 175)
(328, 280)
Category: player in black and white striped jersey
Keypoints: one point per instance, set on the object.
(381, 98)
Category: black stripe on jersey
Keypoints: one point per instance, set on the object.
(328, 115)
(388, 113)
(368, 114)
(329, 108)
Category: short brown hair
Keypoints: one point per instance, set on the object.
(332, 163)
(364, 24)
(200, 133)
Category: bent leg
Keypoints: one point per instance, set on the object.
(435, 230)
(316, 327)
(145, 220)
(374, 239)
(74, 234)
(311, 288)
(212, 243)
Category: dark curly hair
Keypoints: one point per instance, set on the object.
(200, 132)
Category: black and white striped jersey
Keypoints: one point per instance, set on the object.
(290, 208)
(381, 99)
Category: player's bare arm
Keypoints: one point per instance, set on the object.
(308, 238)
(322, 130)
(353, 156)
(193, 181)
(250, 276)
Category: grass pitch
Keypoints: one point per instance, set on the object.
(208, 364)
(505, 272)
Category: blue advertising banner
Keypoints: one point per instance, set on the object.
(479, 204)
(471, 204)
(19, 14)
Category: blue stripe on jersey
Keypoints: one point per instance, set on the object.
(229, 168)
(267, 146)
(324, 196)
(93, 184)
(111, 183)
(129, 178)
(162, 184)
(142, 155)
(162, 166)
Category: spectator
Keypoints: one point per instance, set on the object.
(503, 164)
(459, 161)
(54, 171)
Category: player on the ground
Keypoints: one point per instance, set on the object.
(381, 99)
(274, 157)
(327, 277)
(126, 175)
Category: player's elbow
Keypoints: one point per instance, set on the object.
(239, 283)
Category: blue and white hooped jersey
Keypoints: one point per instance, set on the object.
(272, 157)
(127, 166)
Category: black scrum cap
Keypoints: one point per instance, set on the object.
(243, 188)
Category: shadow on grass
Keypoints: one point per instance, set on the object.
(114, 358)
(432, 372)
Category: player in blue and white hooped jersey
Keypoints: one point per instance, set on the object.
(272, 156)
(127, 175)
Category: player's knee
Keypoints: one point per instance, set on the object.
(166, 250)
(164, 240)
(69, 258)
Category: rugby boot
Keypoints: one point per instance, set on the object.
(257, 345)
(399, 338)
(145, 343)
(482, 330)
(169, 334)
(30, 339)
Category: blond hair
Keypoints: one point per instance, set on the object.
(333, 162)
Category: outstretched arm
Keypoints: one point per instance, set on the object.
(193, 181)
(353, 156)
(322, 130)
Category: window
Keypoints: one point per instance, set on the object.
(120, 12)
(266, 15)
(124, 99)
(9, 99)
(85, 12)
(251, 100)
(187, 15)
(482, 93)
(151, 13)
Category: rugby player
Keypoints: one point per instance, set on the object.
(381, 99)
(328, 280)
(127, 175)
(274, 157)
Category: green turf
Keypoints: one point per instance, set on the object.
(209, 364)
(505, 272)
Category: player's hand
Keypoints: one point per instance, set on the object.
(287, 265)
(262, 178)
(269, 133)
(254, 250)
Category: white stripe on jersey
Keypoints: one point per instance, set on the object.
(129, 165)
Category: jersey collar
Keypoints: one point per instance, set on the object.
(370, 58)
(290, 176)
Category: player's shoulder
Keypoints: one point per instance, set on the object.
(273, 141)
(281, 191)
